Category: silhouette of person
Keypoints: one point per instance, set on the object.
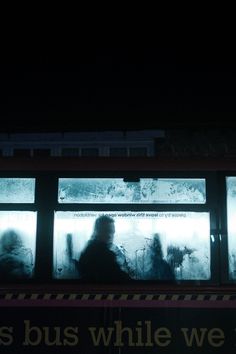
(159, 267)
(98, 262)
(16, 261)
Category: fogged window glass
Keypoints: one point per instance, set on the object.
(231, 224)
(17, 244)
(145, 243)
(17, 190)
(147, 190)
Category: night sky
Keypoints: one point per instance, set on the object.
(134, 87)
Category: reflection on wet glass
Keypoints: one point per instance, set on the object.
(147, 190)
(184, 239)
(17, 190)
(17, 244)
(231, 224)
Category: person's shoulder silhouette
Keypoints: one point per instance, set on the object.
(16, 261)
(97, 262)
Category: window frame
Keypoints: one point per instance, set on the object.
(223, 229)
(46, 192)
(209, 206)
(23, 207)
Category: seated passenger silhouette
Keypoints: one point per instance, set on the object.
(98, 262)
(16, 261)
(159, 268)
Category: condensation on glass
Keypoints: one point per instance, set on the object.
(17, 190)
(146, 190)
(184, 239)
(17, 244)
(231, 224)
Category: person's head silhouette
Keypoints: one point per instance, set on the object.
(156, 246)
(104, 229)
(10, 240)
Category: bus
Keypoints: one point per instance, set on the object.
(180, 210)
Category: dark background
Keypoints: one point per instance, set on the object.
(119, 87)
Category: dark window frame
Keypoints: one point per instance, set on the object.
(209, 206)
